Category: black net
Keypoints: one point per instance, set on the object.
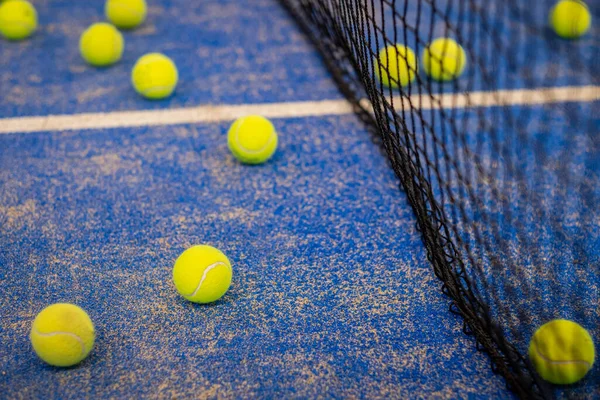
(501, 165)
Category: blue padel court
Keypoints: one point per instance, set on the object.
(333, 295)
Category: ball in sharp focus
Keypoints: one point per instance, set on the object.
(125, 14)
(101, 44)
(562, 351)
(444, 59)
(18, 19)
(154, 76)
(252, 139)
(62, 334)
(570, 19)
(202, 274)
(396, 65)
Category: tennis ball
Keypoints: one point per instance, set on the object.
(570, 19)
(62, 334)
(202, 274)
(125, 14)
(101, 44)
(444, 59)
(252, 139)
(154, 76)
(397, 65)
(18, 19)
(562, 351)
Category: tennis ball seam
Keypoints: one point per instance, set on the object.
(56, 333)
(205, 274)
(559, 362)
(236, 137)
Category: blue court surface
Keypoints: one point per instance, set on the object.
(332, 293)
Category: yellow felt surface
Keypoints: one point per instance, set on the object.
(18, 19)
(202, 274)
(444, 59)
(62, 334)
(562, 351)
(252, 139)
(126, 14)
(154, 76)
(396, 64)
(570, 19)
(101, 44)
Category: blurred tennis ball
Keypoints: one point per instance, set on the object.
(125, 14)
(154, 76)
(101, 44)
(444, 59)
(397, 65)
(570, 19)
(18, 19)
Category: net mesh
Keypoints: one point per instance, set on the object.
(500, 165)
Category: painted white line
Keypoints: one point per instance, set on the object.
(508, 97)
(220, 113)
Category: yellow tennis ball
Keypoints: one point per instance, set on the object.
(252, 139)
(202, 274)
(18, 19)
(154, 76)
(570, 19)
(62, 334)
(126, 14)
(444, 59)
(397, 65)
(101, 44)
(562, 351)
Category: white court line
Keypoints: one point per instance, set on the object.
(220, 113)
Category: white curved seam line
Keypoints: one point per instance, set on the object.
(74, 336)
(237, 140)
(204, 275)
(539, 353)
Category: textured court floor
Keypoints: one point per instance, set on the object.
(332, 294)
